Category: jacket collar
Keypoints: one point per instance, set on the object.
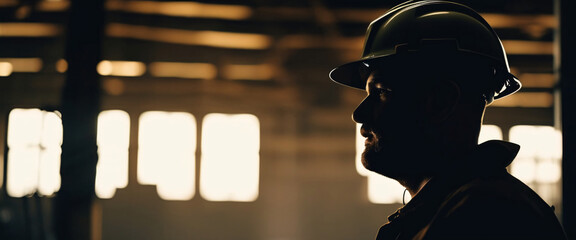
(497, 153)
(488, 158)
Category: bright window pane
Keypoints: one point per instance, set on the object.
(489, 132)
(539, 161)
(166, 153)
(230, 157)
(34, 143)
(537, 141)
(359, 150)
(49, 174)
(385, 190)
(22, 176)
(113, 142)
(381, 190)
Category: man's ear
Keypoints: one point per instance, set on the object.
(444, 97)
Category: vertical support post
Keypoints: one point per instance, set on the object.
(565, 63)
(80, 108)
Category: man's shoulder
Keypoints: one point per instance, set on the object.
(499, 188)
(494, 206)
(504, 194)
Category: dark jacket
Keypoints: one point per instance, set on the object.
(477, 200)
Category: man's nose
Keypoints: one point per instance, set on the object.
(361, 113)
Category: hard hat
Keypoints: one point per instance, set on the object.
(432, 30)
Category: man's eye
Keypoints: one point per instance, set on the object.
(384, 92)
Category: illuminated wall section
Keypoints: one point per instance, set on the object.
(229, 169)
(34, 148)
(166, 153)
(113, 142)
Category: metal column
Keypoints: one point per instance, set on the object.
(80, 108)
(565, 63)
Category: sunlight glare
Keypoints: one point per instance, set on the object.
(166, 153)
(489, 132)
(24, 64)
(34, 141)
(121, 68)
(359, 150)
(62, 65)
(230, 157)
(50, 142)
(548, 172)
(524, 169)
(113, 139)
(537, 141)
(539, 159)
(383, 190)
(5, 69)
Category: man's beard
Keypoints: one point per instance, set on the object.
(401, 158)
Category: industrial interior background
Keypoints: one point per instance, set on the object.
(187, 65)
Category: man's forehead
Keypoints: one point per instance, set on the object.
(386, 77)
(378, 75)
(400, 78)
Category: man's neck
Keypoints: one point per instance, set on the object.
(445, 161)
(414, 185)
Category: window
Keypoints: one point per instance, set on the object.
(489, 132)
(166, 153)
(229, 169)
(34, 142)
(381, 190)
(113, 141)
(538, 163)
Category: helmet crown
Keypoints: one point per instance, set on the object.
(433, 29)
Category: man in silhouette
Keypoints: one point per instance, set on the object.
(429, 69)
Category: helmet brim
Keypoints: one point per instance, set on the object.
(355, 74)
(349, 75)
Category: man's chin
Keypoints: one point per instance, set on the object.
(375, 162)
(391, 165)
